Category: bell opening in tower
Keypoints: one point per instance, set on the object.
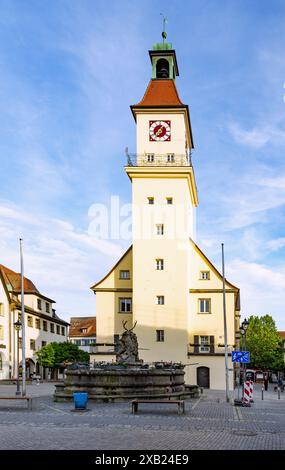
(162, 68)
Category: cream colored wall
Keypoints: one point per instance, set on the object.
(172, 282)
(213, 323)
(177, 143)
(113, 280)
(4, 341)
(217, 371)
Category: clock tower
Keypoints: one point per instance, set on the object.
(164, 284)
(164, 199)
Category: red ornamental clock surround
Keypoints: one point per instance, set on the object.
(159, 131)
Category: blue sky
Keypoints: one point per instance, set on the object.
(69, 69)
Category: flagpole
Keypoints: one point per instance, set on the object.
(23, 322)
(225, 328)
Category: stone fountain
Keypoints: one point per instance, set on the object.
(125, 379)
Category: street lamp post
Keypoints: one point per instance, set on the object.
(18, 326)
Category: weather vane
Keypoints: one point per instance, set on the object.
(164, 33)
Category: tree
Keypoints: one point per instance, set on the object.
(54, 355)
(264, 343)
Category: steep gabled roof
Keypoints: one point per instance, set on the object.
(78, 325)
(13, 281)
(160, 93)
(111, 270)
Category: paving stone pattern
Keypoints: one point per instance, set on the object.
(209, 423)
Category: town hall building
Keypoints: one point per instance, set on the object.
(164, 283)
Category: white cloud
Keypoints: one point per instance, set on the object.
(62, 260)
(257, 137)
(262, 288)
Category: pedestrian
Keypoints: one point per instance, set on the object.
(266, 383)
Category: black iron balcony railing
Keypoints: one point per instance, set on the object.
(154, 159)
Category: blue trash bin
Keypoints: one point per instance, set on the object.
(80, 400)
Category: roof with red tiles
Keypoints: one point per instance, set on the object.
(282, 334)
(13, 282)
(82, 327)
(160, 93)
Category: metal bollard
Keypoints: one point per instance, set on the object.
(278, 390)
(262, 390)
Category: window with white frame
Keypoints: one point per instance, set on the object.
(160, 299)
(204, 305)
(159, 229)
(125, 305)
(150, 157)
(1, 309)
(169, 200)
(204, 344)
(204, 275)
(160, 264)
(150, 200)
(39, 303)
(159, 336)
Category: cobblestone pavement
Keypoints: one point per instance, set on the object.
(209, 423)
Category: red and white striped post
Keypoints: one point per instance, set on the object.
(247, 393)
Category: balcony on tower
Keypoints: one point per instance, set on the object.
(159, 160)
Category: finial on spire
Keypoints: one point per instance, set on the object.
(164, 33)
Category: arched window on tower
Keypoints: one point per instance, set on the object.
(162, 68)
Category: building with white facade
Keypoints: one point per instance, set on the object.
(42, 325)
(82, 332)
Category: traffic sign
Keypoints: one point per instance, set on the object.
(241, 356)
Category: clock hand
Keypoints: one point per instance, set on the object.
(159, 131)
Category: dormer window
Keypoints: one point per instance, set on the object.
(83, 330)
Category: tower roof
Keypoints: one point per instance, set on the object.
(160, 93)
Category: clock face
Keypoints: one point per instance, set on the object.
(159, 131)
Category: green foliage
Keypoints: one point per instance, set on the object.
(264, 343)
(54, 354)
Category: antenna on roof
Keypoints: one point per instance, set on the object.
(164, 33)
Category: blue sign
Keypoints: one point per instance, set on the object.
(241, 356)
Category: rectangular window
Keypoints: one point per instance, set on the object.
(44, 343)
(57, 329)
(150, 200)
(20, 343)
(44, 325)
(52, 327)
(204, 275)
(159, 229)
(38, 323)
(39, 302)
(170, 158)
(204, 305)
(124, 274)
(1, 309)
(125, 305)
(62, 331)
(30, 321)
(160, 264)
(47, 307)
(169, 200)
(159, 336)
(160, 299)
(150, 158)
(1, 332)
(32, 344)
(204, 344)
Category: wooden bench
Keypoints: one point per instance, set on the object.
(27, 398)
(179, 403)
